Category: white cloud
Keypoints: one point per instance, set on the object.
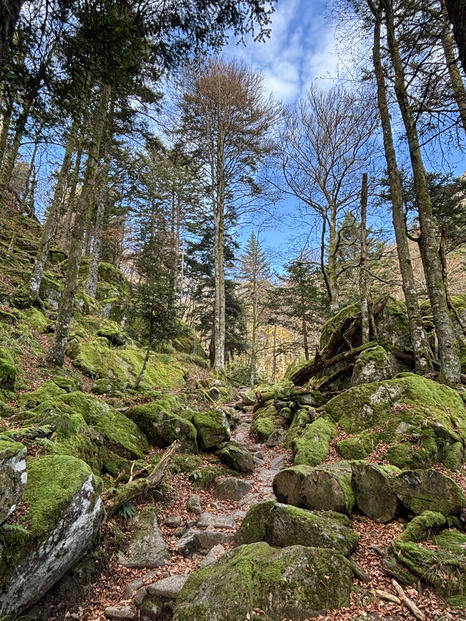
(300, 49)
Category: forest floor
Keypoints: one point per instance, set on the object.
(67, 600)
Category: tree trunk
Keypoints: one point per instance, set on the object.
(449, 358)
(419, 342)
(92, 278)
(12, 153)
(27, 200)
(9, 13)
(65, 227)
(219, 250)
(146, 361)
(4, 131)
(255, 313)
(457, 12)
(456, 81)
(56, 353)
(332, 260)
(363, 292)
(51, 222)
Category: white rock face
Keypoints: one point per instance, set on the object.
(13, 479)
(67, 543)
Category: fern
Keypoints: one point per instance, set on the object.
(127, 511)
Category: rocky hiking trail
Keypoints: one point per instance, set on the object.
(119, 590)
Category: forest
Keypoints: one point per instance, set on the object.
(232, 328)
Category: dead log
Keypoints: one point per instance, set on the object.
(141, 486)
(409, 603)
(388, 596)
(306, 372)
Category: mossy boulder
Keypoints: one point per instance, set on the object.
(120, 434)
(312, 447)
(329, 488)
(373, 365)
(147, 547)
(441, 564)
(98, 359)
(237, 458)
(429, 490)
(36, 319)
(282, 525)
(212, 428)
(108, 386)
(13, 476)
(420, 421)
(294, 582)
(162, 427)
(287, 484)
(297, 427)
(8, 369)
(64, 516)
(373, 490)
(288, 526)
(48, 391)
(252, 528)
(264, 422)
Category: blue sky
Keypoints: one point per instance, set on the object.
(300, 49)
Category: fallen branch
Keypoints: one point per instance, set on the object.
(409, 603)
(141, 486)
(358, 571)
(388, 596)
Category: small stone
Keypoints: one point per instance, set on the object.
(194, 504)
(205, 520)
(168, 588)
(278, 462)
(257, 460)
(173, 521)
(213, 555)
(231, 489)
(131, 588)
(139, 596)
(224, 521)
(121, 613)
(180, 531)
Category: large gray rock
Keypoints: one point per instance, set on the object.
(212, 428)
(373, 490)
(373, 365)
(328, 488)
(284, 525)
(162, 427)
(65, 514)
(157, 600)
(231, 489)
(13, 476)
(237, 458)
(202, 541)
(429, 490)
(294, 582)
(148, 547)
(287, 484)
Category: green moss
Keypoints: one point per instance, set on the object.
(313, 446)
(99, 360)
(253, 526)
(334, 323)
(184, 463)
(81, 441)
(451, 540)
(36, 319)
(52, 483)
(421, 526)
(120, 434)
(419, 418)
(265, 420)
(8, 370)
(9, 449)
(293, 582)
(212, 428)
(47, 391)
(297, 427)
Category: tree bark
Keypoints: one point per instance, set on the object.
(56, 353)
(51, 222)
(456, 81)
(457, 12)
(219, 250)
(363, 292)
(9, 13)
(419, 342)
(449, 358)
